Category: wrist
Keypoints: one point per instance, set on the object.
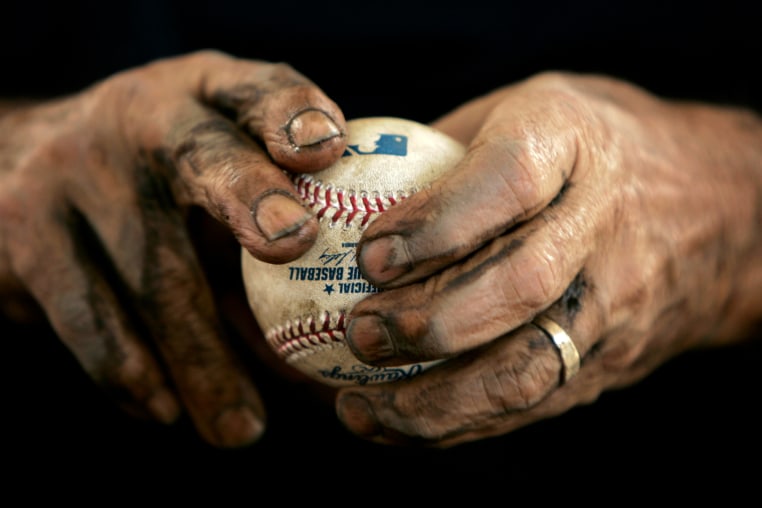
(739, 155)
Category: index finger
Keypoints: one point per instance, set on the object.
(517, 162)
(300, 126)
(225, 141)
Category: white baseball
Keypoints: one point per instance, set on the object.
(301, 306)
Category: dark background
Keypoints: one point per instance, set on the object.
(690, 429)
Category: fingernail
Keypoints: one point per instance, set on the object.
(278, 214)
(164, 407)
(311, 127)
(369, 339)
(384, 259)
(356, 413)
(237, 427)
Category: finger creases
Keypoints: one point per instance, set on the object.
(300, 126)
(482, 393)
(131, 301)
(500, 183)
(214, 164)
(497, 289)
(176, 304)
(512, 381)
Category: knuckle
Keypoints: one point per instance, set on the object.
(88, 337)
(282, 71)
(411, 414)
(521, 382)
(421, 329)
(409, 318)
(547, 281)
(522, 173)
(125, 377)
(535, 282)
(553, 80)
(76, 317)
(416, 337)
(208, 55)
(274, 80)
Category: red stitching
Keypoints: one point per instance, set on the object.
(348, 207)
(301, 335)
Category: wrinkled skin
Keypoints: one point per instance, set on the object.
(633, 222)
(95, 190)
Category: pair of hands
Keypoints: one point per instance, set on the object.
(631, 221)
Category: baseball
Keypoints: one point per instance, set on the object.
(301, 306)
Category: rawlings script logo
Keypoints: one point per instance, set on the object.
(386, 144)
(364, 374)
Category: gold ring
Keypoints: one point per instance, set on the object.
(564, 344)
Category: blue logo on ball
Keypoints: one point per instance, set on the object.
(386, 144)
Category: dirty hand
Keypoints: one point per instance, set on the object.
(591, 232)
(95, 190)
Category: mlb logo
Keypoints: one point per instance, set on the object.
(386, 144)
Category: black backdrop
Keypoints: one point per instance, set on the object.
(692, 426)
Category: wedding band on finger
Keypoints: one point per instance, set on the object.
(564, 344)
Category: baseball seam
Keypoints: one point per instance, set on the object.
(351, 206)
(301, 336)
